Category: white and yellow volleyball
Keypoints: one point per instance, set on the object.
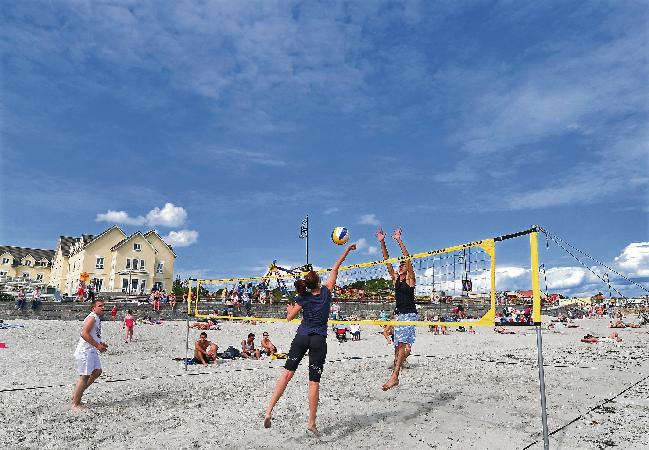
(340, 235)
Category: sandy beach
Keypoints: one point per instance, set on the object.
(460, 391)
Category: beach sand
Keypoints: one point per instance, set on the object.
(460, 391)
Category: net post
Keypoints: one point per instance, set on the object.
(536, 317)
(189, 303)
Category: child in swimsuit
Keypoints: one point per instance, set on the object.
(129, 324)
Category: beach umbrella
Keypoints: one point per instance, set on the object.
(85, 276)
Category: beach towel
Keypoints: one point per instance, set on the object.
(279, 356)
(10, 326)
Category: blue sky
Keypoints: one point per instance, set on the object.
(221, 124)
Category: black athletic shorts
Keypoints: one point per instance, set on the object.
(316, 344)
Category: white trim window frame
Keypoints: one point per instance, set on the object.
(128, 263)
(39, 277)
(99, 264)
(141, 264)
(137, 247)
(135, 263)
(160, 268)
(5, 260)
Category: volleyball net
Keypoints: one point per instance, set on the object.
(455, 286)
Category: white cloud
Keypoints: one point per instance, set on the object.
(239, 157)
(330, 211)
(634, 259)
(368, 219)
(361, 244)
(120, 217)
(181, 238)
(169, 216)
(371, 250)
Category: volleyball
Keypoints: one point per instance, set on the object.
(340, 235)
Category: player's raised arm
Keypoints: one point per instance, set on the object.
(380, 236)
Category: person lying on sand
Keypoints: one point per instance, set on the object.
(590, 339)
(617, 323)
(204, 350)
(503, 330)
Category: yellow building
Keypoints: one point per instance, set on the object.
(114, 261)
(26, 264)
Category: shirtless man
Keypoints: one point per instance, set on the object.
(86, 356)
(266, 345)
(248, 349)
(204, 350)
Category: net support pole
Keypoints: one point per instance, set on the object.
(536, 317)
(189, 308)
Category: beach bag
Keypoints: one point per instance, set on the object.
(231, 353)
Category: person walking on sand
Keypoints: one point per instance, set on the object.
(129, 324)
(404, 294)
(314, 300)
(86, 354)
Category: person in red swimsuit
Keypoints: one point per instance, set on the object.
(129, 324)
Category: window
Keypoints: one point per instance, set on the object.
(28, 263)
(39, 277)
(5, 260)
(124, 284)
(98, 283)
(160, 268)
(157, 285)
(135, 264)
(128, 263)
(26, 275)
(100, 263)
(2, 273)
(141, 264)
(137, 247)
(142, 286)
(134, 284)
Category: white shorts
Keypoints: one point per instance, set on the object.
(87, 362)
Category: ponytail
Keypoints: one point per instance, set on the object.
(300, 287)
(311, 281)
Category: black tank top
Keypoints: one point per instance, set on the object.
(405, 297)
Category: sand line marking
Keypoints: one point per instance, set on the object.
(272, 366)
(583, 415)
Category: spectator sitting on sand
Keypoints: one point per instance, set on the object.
(204, 350)
(355, 330)
(22, 298)
(617, 323)
(267, 346)
(248, 349)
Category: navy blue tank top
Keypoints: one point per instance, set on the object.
(404, 296)
(315, 312)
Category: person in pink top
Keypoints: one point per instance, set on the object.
(129, 324)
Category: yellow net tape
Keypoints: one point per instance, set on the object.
(487, 319)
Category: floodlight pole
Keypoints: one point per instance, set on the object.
(304, 234)
(536, 307)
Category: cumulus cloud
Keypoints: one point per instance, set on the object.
(181, 238)
(368, 219)
(169, 215)
(120, 217)
(634, 260)
(362, 244)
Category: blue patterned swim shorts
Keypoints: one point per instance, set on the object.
(405, 334)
